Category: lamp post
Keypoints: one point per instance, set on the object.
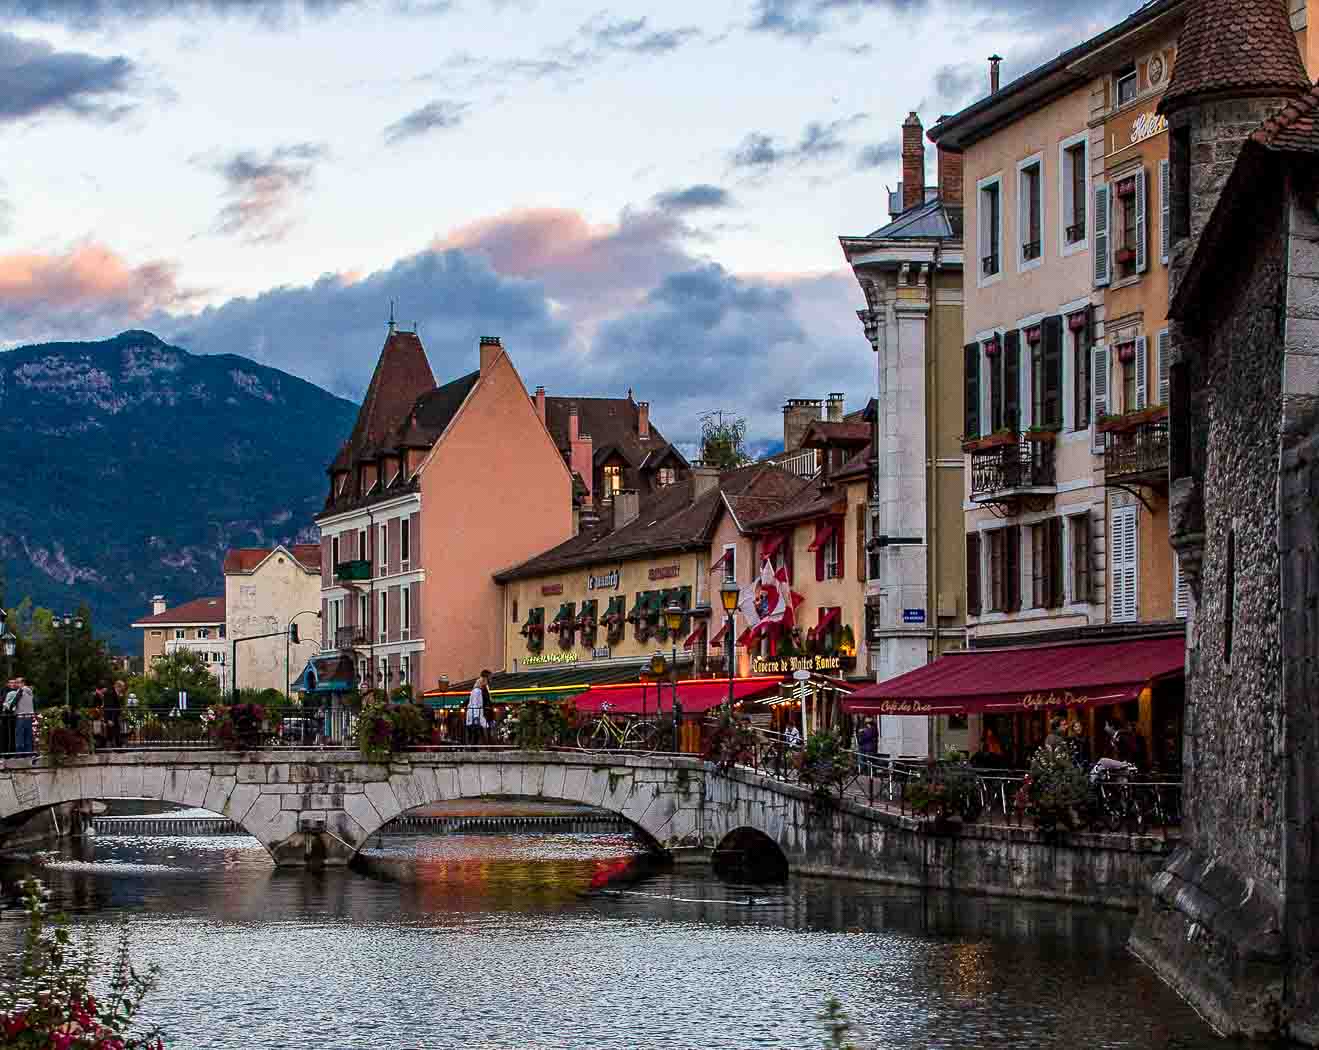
(673, 614)
(9, 646)
(728, 594)
(66, 625)
(291, 639)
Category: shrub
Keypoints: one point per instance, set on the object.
(410, 725)
(385, 728)
(539, 724)
(62, 734)
(1054, 788)
(826, 766)
(946, 789)
(237, 725)
(733, 741)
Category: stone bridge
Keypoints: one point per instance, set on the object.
(313, 808)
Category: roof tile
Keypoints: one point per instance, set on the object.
(1293, 129)
(199, 610)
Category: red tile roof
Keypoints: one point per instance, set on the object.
(242, 560)
(823, 433)
(1292, 129)
(199, 610)
(1235, 48)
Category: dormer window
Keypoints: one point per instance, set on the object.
(613, 480)
(665, 476)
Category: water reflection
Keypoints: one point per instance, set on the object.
(497, 941)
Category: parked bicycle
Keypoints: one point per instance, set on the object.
(1117, 804)
(604, 733)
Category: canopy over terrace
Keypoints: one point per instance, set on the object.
(696, 695)
(558, 683)
(1002, 681)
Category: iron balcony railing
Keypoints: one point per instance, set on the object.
(1030, 250)
(348, 637)
(1137, 452)
(1011, 467)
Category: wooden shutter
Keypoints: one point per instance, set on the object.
(1080, 525)
(1123, 548)
(1142, 222)
(1142, 372)
(1098, 383)
(1012, 567)
(1165, 212)
(971, 381)
(1103, 273)
(1181, 591)
(1053, 549)
(1012, 380)
(1162, 353)
(973, 574)
(840, 545)
(860, 542)
(1052, 338)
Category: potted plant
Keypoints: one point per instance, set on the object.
(847, 648)
(1125, 255)
(1043, 434)
(997, 439)
(1055, 790)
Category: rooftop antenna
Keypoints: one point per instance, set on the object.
(391, 317)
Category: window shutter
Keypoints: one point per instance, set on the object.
(1142, 372)
(971, 366)
(1012, 567)
(1165, 212)
(840, 545)
(1102, 273)
(1142, 222)
(860, 542)
(1181, 592)
(1012, 380)
(819, 561)
(1123, 544)
(1052, 337)
(1054, 552)
(973, 574)
(1098, 391)
(1162, 350)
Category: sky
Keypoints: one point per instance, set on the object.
(631, 198)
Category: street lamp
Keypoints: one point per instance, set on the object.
(728, 594)
(9, 646)
(66, 625)
(673, 614)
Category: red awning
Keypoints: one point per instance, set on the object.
(772, 545)
(824, 532)
(1024, 679)
(828, 617)
(695, 636)
(719, 636)
(696, 695)
(722, 558)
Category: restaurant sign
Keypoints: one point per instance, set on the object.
(606, 582)
(663, 572)
(1147, 125)
(789, 664)
(543, 659)
(548, 589)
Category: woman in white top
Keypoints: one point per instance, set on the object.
(477, 703)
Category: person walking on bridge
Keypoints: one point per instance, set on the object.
(477, 705)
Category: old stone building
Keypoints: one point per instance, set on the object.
(1234, 920)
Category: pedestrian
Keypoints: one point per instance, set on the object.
(867, 742)
(478, 703)
(10, 714)
(25, 709)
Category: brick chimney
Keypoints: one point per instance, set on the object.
(704, 479)
(643, 420)
(798, 414)
(834, 408)
(490, 351)
(627, 505)
(540, 403)
(581, 452)
(994, 62)
(913, 162)
(157, 604)
(950, 176)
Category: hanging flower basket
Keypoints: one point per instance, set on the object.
(990, 441)
(992, 347)
(1125, 255)
(1126, 352)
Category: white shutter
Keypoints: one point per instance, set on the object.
(1098, 395)
(1142, 372)
(1165, 211)
(1181, 592)
(1162, 353)
(1122, 560)
(1102, 276)
(1142, 223)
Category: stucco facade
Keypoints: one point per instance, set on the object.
(264, 591)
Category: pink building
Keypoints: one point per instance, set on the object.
(437, 488)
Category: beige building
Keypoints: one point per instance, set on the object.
(198, 625)
(265, 589)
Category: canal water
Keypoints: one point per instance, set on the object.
(496, 940)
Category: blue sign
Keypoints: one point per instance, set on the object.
(913, 615)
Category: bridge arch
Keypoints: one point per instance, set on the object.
(749, 855)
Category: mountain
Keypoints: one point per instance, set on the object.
(128, 467)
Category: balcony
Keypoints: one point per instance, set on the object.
(1136, 451)
(1015, 466)
(355, 571)
(350, 637)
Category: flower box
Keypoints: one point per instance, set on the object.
(1125, 255)
(1042, 435)
(1131, 420)
(995, 440)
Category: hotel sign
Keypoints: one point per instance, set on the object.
(796, 663)
(1147, 125)
(607, 582)
(543, 659)
(663, 572)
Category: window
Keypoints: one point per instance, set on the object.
(1031, 207)
(221, 631)
(1129, 383)
(1079, 326)
(180, 634)
(971, 386)
(334, 553)
(831, 568)
(219, 658)
(404, 669)
(404, 540)
(1229, 594)
(991, 228)
(363, 615)
(1046, 368)
(1126, 84)
(1124, 544)
(382, 550)
(156, 634)
(666, 476)
(1005, 569)
(613, 480)
(1047, 564)
(203, 632)
(515, 611)
(973, 574)
(405, 617)
(384, 616)
(1079, 529)
(730, 562)
(1130, 247)
(1073, 191)
(361, 544)
(362, 674)
(1004, 381)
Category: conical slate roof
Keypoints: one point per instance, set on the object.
(1237, 49)
(402, 375)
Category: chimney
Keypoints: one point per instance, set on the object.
(490, 351)
(572, 423)
(627, 505)
(157, 604)
(704, 479)
(913, 162)
(834, 408)
(540, 403)
(643, 420)
(798, 414)
(581, 451)
(950, 176)
(994, 62)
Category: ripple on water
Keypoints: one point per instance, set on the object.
(490, 941)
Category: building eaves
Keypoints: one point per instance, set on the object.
(200, 611)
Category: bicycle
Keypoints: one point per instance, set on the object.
(604, 733)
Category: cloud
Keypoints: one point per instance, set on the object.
(808, 19)
(879, 154)
(262, 189)
(634, 35)
(92, 14)
(693, 198)
(35, 80)
(439, 115)
(762, 153)
(85, 290)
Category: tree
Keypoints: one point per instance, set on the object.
(181, 670)
(722, 441)
(44, 651)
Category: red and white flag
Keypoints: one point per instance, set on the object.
(769, 600)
